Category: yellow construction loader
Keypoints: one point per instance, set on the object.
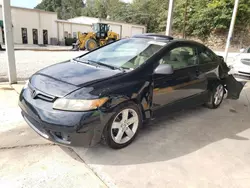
(99, 37)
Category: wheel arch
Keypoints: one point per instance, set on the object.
(212, 82)
(121, 100)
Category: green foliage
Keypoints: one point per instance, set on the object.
(203, 16)
(69, 41)
(207, 16)
(65, 8)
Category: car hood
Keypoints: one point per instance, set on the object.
(64, 78)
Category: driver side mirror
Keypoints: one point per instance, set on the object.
(164, 69)
(242, 50)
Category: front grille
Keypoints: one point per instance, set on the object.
(37, 94)
(245, 61)
(45, 97)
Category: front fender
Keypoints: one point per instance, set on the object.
(140, 93)
(141, 96)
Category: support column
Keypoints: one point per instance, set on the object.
(231, 29)
(170, 18)
(9, 43)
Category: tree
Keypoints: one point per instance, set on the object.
(207, 16)
(203, 16)
(65, 8)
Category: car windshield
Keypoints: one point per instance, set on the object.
(126, 53)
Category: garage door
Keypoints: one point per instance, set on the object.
(116, 28)
(137, 30)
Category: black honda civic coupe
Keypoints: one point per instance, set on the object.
(108, 93)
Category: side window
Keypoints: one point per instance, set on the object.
(206, 56)
(180, 57)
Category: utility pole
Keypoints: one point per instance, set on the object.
(231, 29)
(185, 20)
(9, 44)
(170, 18)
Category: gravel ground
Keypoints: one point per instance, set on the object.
(28, 62)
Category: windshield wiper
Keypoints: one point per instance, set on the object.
(78, 60)
(91, 62)
(105, 65)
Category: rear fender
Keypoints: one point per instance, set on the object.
(233, 87)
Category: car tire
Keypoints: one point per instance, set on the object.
(91, 44)
(216, 96)
(121, 130)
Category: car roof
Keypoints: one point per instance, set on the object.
(169, 40)
(165, 38)
(154, 36)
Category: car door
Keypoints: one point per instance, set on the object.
(208, 68)
(184, 82)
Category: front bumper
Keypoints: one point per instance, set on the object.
(62, 127)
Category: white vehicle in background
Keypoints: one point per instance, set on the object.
(241, 64)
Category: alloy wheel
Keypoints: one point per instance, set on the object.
(218, 95)
(124, 126)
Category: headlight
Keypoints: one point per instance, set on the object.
(78, 104)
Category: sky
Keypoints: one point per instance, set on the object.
(33, 3)
(25, 3)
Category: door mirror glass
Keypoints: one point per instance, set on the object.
(164, 69)
(242, 50)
